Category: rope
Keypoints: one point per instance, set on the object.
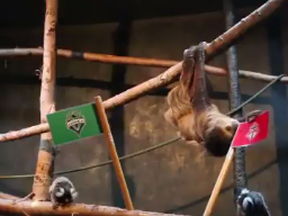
(256, 95)
(152, 148)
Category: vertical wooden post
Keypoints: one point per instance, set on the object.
(218, 185)
(113, 153)
(45, 163)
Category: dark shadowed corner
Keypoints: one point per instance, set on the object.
(121, 39)
(279, 103)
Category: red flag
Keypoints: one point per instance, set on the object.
(249, 133)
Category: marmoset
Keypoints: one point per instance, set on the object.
(62, 192)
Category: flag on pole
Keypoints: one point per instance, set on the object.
(249, 133)
(74, 123)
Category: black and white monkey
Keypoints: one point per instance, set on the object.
(252, 203)
(62, 192)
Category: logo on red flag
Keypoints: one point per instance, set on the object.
(253, 131)
(249, 133)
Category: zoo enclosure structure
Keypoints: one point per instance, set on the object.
(49, 53)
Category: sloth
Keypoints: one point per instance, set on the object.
(191, 111)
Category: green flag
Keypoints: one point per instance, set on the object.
(74, 123)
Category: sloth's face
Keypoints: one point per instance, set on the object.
(220, 135)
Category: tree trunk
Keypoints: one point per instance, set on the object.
(45, 163)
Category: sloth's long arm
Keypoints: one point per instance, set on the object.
(193, 76)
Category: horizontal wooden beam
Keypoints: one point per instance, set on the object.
(146, 62)
(260, 76)
(39, 208)
(103, 58)
(8, 196)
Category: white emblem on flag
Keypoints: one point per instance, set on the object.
(253, 131)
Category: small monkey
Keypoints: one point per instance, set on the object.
(62, 192)
(252, 203)
(39, 72)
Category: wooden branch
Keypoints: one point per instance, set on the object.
(168, 76)
(223, 41)
(103, 58)
(254, 75)
(133, 93)
(45, 165)
(113, 153)
(260, 76)
(8, 196)
(122, 98)
(219, 182)
(218, 71)
(39, 208)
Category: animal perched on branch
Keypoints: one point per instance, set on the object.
(252, 203)
(191, 111)
(62, 192)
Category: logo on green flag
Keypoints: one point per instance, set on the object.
(74, 123)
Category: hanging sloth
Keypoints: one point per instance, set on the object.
(191, 111)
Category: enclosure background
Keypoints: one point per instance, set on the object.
(175, 178)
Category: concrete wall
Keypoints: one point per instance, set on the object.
(178, 177)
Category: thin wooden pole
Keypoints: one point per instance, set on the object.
(113, 153)
(45, 166)
(146, 62)
(218, 185)
(103, 58)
